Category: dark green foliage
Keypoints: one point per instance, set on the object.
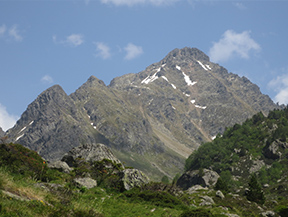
(158, 194)
(165, 180)
(255, 192)
(197, 213)
(282, 211)
(176, 177)
(221, 185)
(21, 160)
(252, 138)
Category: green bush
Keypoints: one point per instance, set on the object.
(197, 213)
(23, 161)
(158, 198)
(255, 192)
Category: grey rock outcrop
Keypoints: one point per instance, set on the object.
(272, 151)
(90, 153)
(131, 178)
(1, 132)
(268, 214)
(220, 194)
(206, 178)
(61, 166)
(206, 201)
(195, 188)
(85, 182)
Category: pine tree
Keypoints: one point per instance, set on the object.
(255, 192)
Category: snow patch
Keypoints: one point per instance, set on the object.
(178, 67)
(173, 107)
(188, 81)
(19, 137)
(150, 79)
(92, 124)
(166, 79)
(208, 67)
(193, 101)
(201, 107)
(201, 64)
(213, 137)
(94, 127)
(22, 129)
(31, 123)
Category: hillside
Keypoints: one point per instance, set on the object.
(30, 187)
(258, 147)
(152, 120)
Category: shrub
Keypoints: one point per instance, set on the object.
(197, 213)
(255, 192)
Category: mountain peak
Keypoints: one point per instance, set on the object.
(186, 52)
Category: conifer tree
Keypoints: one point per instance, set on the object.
(255, 192)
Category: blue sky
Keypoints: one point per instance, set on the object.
(64, 42)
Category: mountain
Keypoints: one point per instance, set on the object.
(152, 120)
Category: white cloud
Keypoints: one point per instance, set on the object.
(6, 120)
(103, 50)
(75, 40)
(47, 79)
(10, 34)
(233, 44)
(14, 33)
(132, 51)
(240, 6)
(280, 85)
(2, 30)
(135, 2)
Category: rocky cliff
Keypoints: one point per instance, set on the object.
(152, 120)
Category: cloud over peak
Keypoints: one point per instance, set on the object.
(47, 79)
(132, 51)
(6, 120)
(280, 85)
(102, 50)
(233, 44)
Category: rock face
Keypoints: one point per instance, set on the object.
(90, 153)
(85, 182)
(205, 178)
(272, 151)
(61, 166)
(164, 112)
(2, 133)
(133, 178)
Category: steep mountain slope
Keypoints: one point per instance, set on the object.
(151, 120)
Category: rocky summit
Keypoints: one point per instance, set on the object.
(152, 120)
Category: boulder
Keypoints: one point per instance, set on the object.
(90, 153)
(220, 194)
(268, 214)
(205, 178)
(85, 182)
(206, 201)
(272, 151)
(195, 188)
(61, 166)
(131, 178)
